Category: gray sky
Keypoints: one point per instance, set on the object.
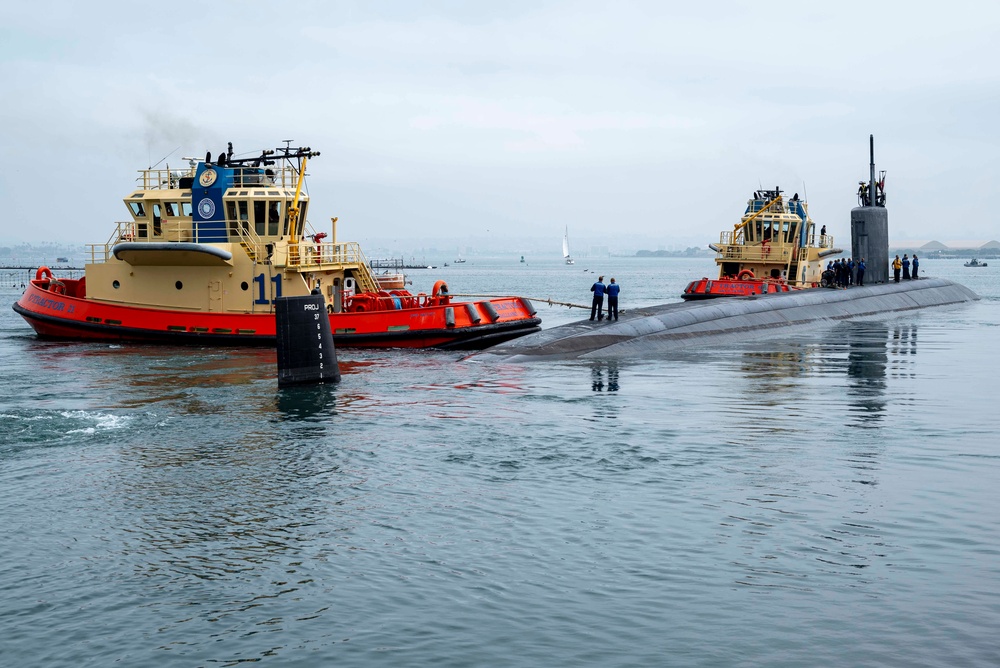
(467, 121)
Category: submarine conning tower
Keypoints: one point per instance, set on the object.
(870, 224)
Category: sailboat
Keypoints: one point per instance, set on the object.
(566, 256)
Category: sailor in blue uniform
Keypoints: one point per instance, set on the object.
(861, 272)
(597, 305)
(613, 291)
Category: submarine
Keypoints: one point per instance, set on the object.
(771, 278)
(648, 331)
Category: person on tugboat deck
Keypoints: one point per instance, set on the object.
(597, 304)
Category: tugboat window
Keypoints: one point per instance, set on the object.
(301, 220)
(137, 209)
(231, 216)
(157, 220)
(273, 218)
(178, 285)
(116, 284)
(244, 286)
(258, 216)
(244, 215)
(186, 209)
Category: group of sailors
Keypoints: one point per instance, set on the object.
(847, 272)
(905, 265)
(597, 304)
(864, 194)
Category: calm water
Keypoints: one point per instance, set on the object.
(827, 497)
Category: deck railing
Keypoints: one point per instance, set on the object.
(307, 255)
(171, 230)
(284, 176)
(303, 255)
(764, 253)
(736, 238)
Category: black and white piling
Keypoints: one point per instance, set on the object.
(870, 228)
(305, 343)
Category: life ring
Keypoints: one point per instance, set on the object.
(745, 275)
(43, 271)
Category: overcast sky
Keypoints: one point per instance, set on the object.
(472, 120)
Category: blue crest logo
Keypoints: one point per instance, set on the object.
(206, 208)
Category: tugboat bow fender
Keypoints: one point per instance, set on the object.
(171, 253)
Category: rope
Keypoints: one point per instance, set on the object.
(534, 300)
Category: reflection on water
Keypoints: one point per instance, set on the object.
(307, 402)
(604, 375)
(867, 358)
(866, 351)
(904, 344)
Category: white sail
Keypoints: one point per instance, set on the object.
(566, 256)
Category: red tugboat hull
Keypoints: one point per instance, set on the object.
(707, 288)
(60, 310)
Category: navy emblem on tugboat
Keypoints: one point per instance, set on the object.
(206, 208)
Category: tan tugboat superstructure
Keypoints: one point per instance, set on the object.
(210, 248)
(774, 248)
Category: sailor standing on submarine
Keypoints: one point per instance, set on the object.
(597, 305)
(613, 290)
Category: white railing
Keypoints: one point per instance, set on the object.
(284, 176)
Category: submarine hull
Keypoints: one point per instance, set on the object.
(647, 331)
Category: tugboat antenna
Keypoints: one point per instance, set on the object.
(166, 156)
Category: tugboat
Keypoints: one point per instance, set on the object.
(774, 248)
(210, 248)
(975, 263)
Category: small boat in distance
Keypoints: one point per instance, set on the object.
(975, 263)
(774, 248)
(208, 251)
(459, 261)
(566, 255)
